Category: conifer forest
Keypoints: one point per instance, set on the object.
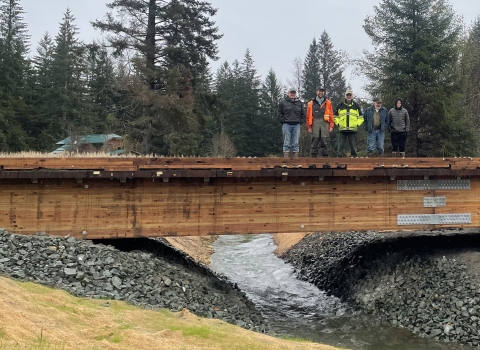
(148, 78)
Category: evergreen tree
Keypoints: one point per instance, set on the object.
(311, 71)
(171, 41)
(416, 57)
(235, 101)
(471, 73)
(165, 32)
(331, 67)
(215, 141)
(248, 98)
(270, 96)
(159, 121)
(43, 63)
(70, 115)
(13, 71)
(101, 85)
(42, 98)
(229, 86)
(224, 90)
(238, 87)
(324, 67)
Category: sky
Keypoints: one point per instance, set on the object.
(275, 31)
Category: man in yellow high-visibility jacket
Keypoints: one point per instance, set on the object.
(348, 118)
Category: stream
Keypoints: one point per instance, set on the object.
(297, 309)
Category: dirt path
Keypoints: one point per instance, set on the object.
(199, 248)
(285, 241)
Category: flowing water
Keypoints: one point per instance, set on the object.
(298, 309)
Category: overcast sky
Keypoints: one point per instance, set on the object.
(275, 31)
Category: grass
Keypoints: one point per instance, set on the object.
(297, 339)
(39, 344)
(115, 337)
(193, 331)
(32, 154)
(34, 317)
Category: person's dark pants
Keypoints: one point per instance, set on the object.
(319, 138)
(399, 139)
(351, 137)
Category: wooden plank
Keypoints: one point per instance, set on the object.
(130, 164)
(143, 208)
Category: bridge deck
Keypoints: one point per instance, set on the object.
(142, 163)
(134, 197)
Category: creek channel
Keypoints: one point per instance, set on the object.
(297, 309)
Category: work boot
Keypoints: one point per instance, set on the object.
(295, 155)
(381, 155)
(370, 155)
(402, 154)
(286, 154)
(394, 154)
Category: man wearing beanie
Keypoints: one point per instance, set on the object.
(399, 126)
(320, 122)
(377, 120)
(291, 114)
(348, 118)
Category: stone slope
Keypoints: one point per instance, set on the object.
(426, 282)
(158, 277)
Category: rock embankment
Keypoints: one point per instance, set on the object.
(143, 278)
(428, 284)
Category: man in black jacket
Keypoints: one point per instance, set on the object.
(291, 114)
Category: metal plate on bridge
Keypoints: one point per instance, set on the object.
(434, 202)
(418, 185)
(434, 219)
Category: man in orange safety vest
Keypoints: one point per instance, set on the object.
(320, 122)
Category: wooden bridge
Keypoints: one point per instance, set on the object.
(139, 197)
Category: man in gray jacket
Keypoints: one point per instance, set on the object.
(291, 114)
(399, 127)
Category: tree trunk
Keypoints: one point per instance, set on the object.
(414, 125)
(150, 42)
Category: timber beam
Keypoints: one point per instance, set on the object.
(212, 174)
(149, 197)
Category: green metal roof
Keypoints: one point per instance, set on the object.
(94, 138)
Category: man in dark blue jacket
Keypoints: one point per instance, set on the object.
(376, 122)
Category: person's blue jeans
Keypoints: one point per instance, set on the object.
(291, 136)
(375, 140)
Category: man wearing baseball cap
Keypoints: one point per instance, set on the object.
(291, 114)
(348, 119)
(320, 122)
(377, 120)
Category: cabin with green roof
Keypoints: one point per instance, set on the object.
(95, 143)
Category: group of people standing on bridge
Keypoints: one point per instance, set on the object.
(320, 119)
